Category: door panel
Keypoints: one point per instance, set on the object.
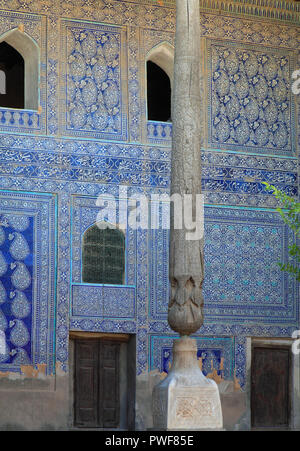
(109, 373)
(270, 387)
(86, 384)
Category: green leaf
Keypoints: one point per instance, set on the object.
(289, 212)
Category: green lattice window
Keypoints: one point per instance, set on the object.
(103, 256)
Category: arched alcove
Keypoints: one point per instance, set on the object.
(28, 49)
(103, 255)
(159, 70)
(11, 77)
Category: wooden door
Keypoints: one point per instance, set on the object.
(270, 387)
(97, 402)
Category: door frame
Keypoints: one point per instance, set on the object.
(127, 340)
(294, 376)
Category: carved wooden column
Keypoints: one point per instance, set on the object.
(186, 256)
(186, 399)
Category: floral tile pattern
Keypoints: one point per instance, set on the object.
(251, 104)
(94, 74)
(91, 135)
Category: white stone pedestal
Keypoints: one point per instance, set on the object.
(186, 399)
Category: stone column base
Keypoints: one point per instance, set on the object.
(186, 399)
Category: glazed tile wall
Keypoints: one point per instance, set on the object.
(211, 350)
(27, 268)
(34, 26)
(95, 103)
(249, 288)
(251, 103)
(92, 135)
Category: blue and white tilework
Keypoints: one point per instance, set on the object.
(103, 301)
(250, 95)
(91, 135)
(27, 278)
(211, 350)
(94, 65)
(248, 288)
(26, 121)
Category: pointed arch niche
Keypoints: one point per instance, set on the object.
(159, 75)
(18, 43)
